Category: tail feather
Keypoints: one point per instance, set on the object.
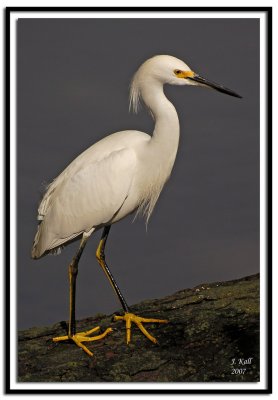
(37, 249)
(45, 242)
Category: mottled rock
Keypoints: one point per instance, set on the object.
(212, 336)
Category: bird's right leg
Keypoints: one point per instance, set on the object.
(79, 337)
(128, 316)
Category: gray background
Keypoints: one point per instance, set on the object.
(73, 78)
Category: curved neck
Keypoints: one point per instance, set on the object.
(167, 129)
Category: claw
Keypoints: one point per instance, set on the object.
(81, 337)
(129, 318)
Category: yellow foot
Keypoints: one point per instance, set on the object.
(129, 317)
(80, 337)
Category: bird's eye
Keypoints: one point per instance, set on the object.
(177, 71)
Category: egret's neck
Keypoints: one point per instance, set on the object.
(167, 130)
(160, 151)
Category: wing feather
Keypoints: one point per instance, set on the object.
(84, 198)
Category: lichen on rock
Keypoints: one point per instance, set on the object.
(212, 336)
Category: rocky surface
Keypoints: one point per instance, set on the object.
(212, 336)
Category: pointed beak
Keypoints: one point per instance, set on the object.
(220, 88)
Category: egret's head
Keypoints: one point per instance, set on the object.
(163, 69)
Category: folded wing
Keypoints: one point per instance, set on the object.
(84, 196)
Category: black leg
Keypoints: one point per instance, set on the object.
(73, 271)
(101, 260)
(80, 337)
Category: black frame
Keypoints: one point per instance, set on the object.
(268, 11)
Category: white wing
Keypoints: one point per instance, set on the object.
(88, 197)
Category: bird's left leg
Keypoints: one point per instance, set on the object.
(79, 337)
(128, 317)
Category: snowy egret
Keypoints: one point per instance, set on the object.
(120, 174)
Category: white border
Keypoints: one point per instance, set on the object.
(13, 326)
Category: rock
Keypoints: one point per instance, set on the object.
(212, 336)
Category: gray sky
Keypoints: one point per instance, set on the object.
(73, 79)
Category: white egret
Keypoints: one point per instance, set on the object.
(120, 174)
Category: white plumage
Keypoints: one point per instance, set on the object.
(116, 175)
(123, 172)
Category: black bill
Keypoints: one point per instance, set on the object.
(220, 88)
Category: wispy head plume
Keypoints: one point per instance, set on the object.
(135, 94)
